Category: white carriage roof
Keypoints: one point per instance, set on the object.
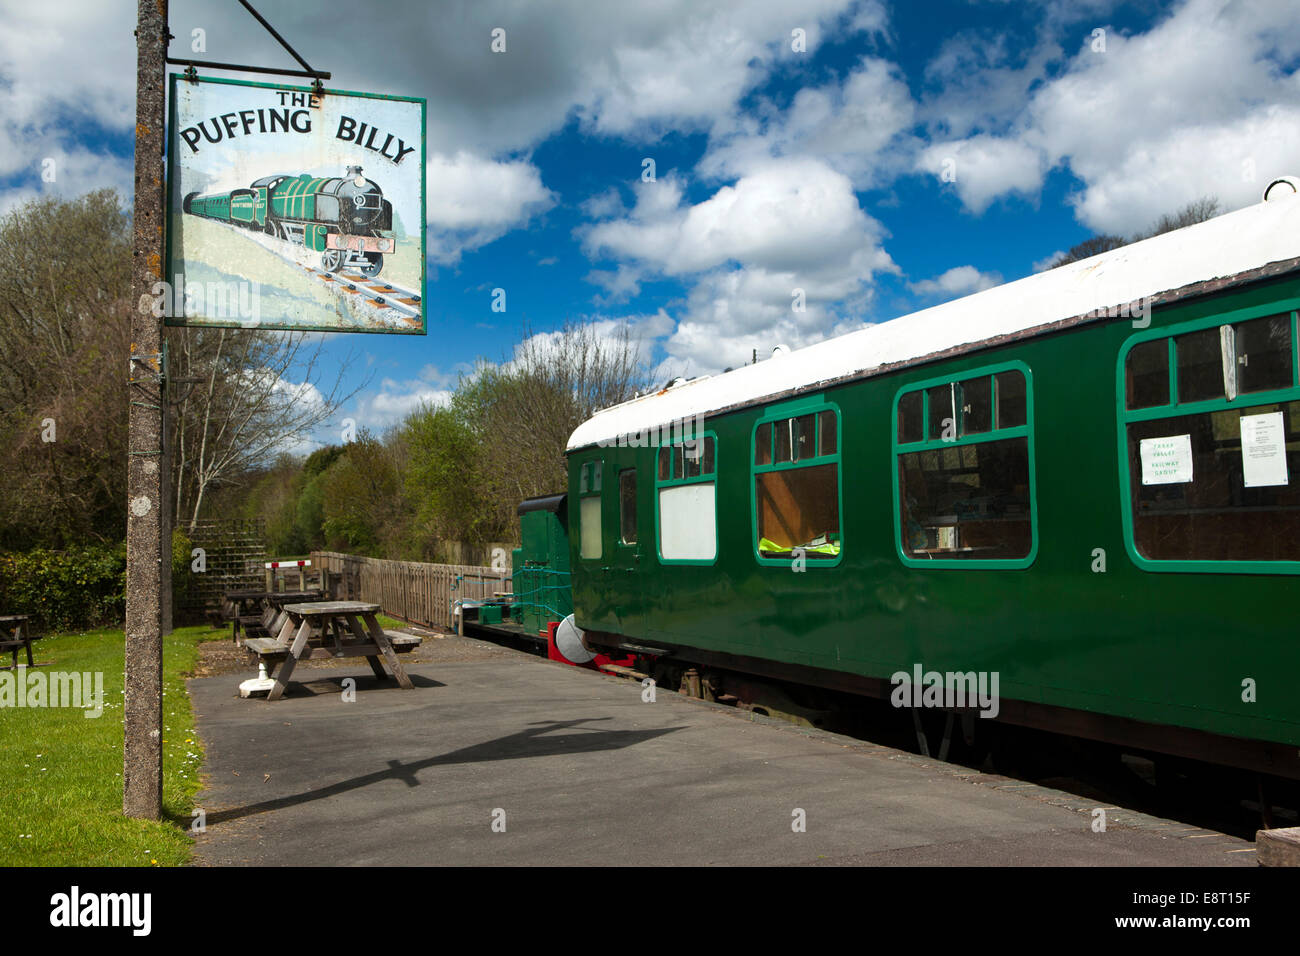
(1221, 248)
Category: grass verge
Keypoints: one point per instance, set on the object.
(61, 772)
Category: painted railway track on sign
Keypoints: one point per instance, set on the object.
(378, 294)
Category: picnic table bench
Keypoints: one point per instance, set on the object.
(255, 611)
(16, 635)
(331, 629)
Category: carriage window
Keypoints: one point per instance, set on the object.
(965, 491)
(589, 478)
(976, 405)
(1012, 399)
(909, 417)
(763, 444)
(1146, 375)
(1263, 353)
(1200, 368)
(589, 531)
(627, 505)
(827, 438)
(797, 488)
(942, 421)
(1218, 484)
(686, 499)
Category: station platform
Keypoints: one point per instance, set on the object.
(497, 757)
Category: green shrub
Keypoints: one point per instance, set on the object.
(66, 590)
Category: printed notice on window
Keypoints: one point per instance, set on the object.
(1166, 461)
(1263, 450)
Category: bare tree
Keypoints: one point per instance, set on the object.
(242, 397)
(1199, 210)
(523, 411)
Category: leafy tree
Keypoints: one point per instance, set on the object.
(64, 337)
(362, 497)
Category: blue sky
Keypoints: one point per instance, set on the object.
(910, 153)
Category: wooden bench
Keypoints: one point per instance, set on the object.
(265, 647)
(16, 635)
(268, 648)
(402, 642)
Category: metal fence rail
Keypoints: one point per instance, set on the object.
(412, 590)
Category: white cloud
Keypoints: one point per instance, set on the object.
(387, 406)
(791, 233)
(1203, 103)
(604, 205)
(851, 126)
(626, 69)
(63, 66)
(958, 281)
(797, 216)
(621, 284)
(731, 314)
(1042, 265)
(472, 200)
(983, 168)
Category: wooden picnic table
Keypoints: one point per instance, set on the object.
(16, 634)
(332, 629)
(246, 608)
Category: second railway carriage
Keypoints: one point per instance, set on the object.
(1085, 482)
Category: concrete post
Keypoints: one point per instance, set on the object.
(142, 761)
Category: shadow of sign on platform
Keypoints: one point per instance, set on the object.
(537, 741)
(325, 686)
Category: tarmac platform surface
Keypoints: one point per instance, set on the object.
(497, 757)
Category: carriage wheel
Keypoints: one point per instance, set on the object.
(374, 263)
(331, 260)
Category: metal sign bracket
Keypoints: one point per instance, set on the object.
(191, 71)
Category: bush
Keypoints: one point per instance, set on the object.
(71, 590)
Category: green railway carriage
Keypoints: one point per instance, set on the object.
(540, 576)
(1086, 483)
(346, 219)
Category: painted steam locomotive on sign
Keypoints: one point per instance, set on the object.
(347, 220)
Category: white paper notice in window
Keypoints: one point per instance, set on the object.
(1263, 450)
(1166, 461)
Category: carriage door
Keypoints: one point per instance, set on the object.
(626, 571)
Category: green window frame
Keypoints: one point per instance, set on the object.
(778, 425)
(969, 428)
(681, 469)
(589, 490)
(624, 514)
(1193, 409)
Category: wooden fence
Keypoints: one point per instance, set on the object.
(412, 590)
(234, 550)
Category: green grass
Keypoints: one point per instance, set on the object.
(61, 773)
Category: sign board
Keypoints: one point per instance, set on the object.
(1263, 450)
(290, 209)
(1166, 461)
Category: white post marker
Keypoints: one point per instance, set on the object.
(261, 684)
